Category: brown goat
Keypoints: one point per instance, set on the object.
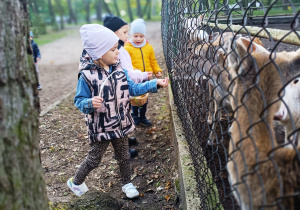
(262, 175)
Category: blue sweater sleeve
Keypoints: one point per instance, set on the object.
(83, 98)
(137, 89)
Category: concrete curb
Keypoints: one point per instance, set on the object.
(189, 196)
(52, 106)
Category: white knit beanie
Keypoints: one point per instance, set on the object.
(138, 26)
(97, 39)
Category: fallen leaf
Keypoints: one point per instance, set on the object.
(133, 176)
(110, 184)
(149, 181)
(168, 185)
(142, 194)
(168, 198)
(149, 131)
(159, 188)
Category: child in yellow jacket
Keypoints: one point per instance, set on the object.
(143, 58)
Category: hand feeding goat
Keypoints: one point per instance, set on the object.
(262, 175)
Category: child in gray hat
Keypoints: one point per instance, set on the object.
(103, 95)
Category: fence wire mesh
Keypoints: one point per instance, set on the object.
(234, 68)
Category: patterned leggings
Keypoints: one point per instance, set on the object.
(95, 155)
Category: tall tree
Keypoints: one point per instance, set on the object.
(147, 7)
(149, 10)
(71, 13)
(117, 8)
(21, 175)
(99, 9)
(60, 11)
(106, 7)
(52, 16)
(129, 10)
(139, 9)
(87, 10)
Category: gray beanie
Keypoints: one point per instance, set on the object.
(97, 39)
(138, 26)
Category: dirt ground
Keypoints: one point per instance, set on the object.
(63, 135)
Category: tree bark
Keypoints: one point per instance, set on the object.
(21, 175)
(117, 8)
(129, 10)
(139, 9)
(71, 12)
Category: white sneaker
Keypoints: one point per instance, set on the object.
(130, 191)
(78, 190)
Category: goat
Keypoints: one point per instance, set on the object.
(192, 25)
(220, 80)
(261, 173)
(289, 113)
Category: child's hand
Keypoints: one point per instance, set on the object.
(158, 74)
(163, 82)
(149, 75)
(96, 101)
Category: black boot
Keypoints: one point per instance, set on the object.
(143, 118)
(135, 115)
(133, 153)
(132, 141)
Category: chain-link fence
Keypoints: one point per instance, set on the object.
(235, 71)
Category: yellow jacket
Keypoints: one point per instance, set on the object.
(143, 58)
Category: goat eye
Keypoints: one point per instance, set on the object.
(296, 81)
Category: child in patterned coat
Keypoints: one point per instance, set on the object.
(103, 95)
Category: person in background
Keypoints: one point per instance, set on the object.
(120, 28)
(143, 58)
(36, 57)
(103, 95)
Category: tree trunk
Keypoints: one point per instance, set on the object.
(75, 11)
(52, 16)
(87, 10)
(129, 10)
(106, 7)
(71, 13)
(60, 11)
(34, 6)
(99, 10)
(117, 8)
(21, 174)
(139, 9)
(149, 11)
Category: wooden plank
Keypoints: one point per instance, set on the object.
(276, 34)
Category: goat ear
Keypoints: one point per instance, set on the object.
(236, 55)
